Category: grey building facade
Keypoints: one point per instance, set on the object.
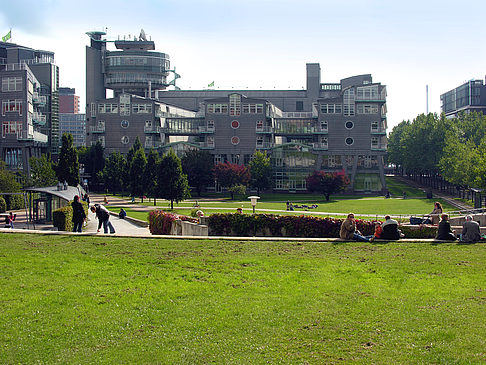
(467, 98)
(29, 99)
(327, 126)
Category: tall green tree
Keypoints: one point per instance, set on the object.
(198, 165)
(150, 175)
(8, 182)
(94, 162)
(171, 181)
(260, 171)
(138, 186)
(42, 171)
(113, 175)
(68, 165)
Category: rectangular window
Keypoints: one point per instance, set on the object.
(142, 108)
(331, 108)
(217, 108)
(12, 84)
(235, 104)
(12, 128)
(367, 109)
(299, 106)
(12, 106)
(93, 110)
(374, 142)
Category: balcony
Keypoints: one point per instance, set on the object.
(39, 100)
(377, 147)
(319, 130)
(151, 129)
(206, 129)
(264, 129)
(97, 129)
(381, 131)
(316, 146)
(206, 145)
(264, 145)
(38, 118)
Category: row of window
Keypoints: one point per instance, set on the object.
(11, 127)
(109, 108)
(12, 84)
(9, 106)
(214, 108)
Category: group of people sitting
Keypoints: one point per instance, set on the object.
(470, 230)
(387, 230)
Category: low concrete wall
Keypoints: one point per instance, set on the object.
(184, 228)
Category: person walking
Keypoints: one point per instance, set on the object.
(79, 216)
(103, 216)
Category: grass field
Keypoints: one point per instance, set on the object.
(114, 300)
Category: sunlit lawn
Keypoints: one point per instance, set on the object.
(115, 300)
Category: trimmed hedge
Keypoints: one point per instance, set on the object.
(230, 224)
(15, 202)
(62, 218)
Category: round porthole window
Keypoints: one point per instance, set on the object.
(235, 140)
(125, 139)
(235, 124)
(349, 125)
(125, 123)
(349, 141)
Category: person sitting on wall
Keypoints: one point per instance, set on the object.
(470, 231)
(444, 232)
(348, 231)
(435, 214)
(122, 214)
(390, 229)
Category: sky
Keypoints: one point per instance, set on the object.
(265, 44)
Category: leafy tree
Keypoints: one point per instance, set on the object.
(68, 166)
(327, 183)
(94, 162)
(198, 165)
(42, 171)
(150, 175)
(136, 174)
(113, 173)
(229, 174)
(396, 144)
(171, 181)
(260, 171)
(8, 182)
(137, 145)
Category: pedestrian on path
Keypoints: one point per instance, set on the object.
(103, 216)
(79, 216)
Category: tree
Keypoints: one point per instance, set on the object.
(113, 173)
(94, 162)
(171, 181)
(136, 174)
(260, 171)
(229, 174)
(327, 183)
(198, 165)
(8, 182)
(68, 165)
(150, 175)
(42, 171)
(137, 145)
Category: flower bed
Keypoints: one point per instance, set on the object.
(279, 226)
(160, 222)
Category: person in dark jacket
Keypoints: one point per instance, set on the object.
(390, 229)
(78, 214)
(103, 216)
(444, 232)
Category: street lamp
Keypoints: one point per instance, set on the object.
(253, 200)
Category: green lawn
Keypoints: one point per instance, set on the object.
(115, 300)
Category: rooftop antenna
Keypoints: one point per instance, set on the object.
(427, 99)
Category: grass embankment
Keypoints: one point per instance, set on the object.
(113, 300)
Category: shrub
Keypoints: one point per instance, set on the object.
(160, 222)
(422, 231)
(15, 202)
(62, 218)
(3, 205)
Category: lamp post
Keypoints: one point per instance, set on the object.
(253, 200)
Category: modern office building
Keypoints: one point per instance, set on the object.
(70, 120)
(469, 97)
(327, 126)
(29, 99)
(68, 100)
